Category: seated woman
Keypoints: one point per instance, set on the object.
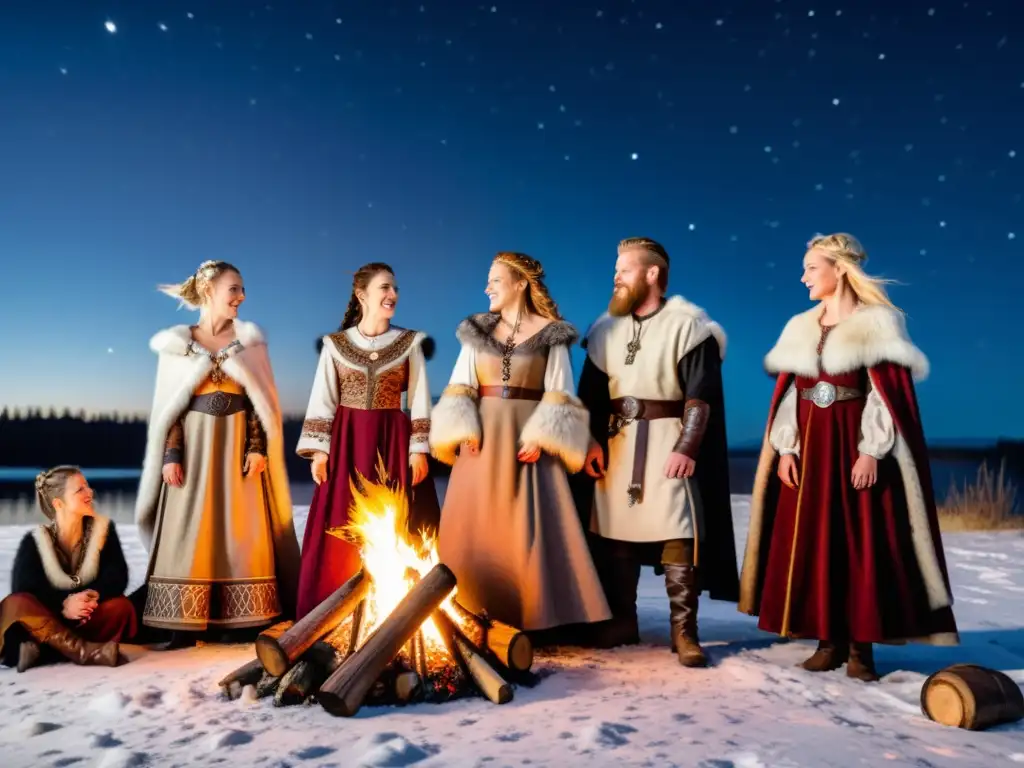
(68, 582)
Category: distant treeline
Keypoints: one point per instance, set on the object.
(38, 438)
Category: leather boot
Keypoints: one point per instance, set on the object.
(861, 665)
(683, 599)
(827, 657)
(620, 578)
(46, 630)
(28, 655)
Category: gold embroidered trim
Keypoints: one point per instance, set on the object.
(461, 390)
(385, 355)
(194, 603)
(420, 430)
(318, 429)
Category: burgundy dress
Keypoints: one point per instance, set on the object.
(355, 415)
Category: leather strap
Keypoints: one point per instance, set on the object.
(511, 393)
(628, 409)
(219, 403)
(695, 424)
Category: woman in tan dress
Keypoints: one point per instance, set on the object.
(214, 507)
(510, 424)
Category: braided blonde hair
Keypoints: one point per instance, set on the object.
(538, 298)
(192, 292)
(845, 249)
(50, 485)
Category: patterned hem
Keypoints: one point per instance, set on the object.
(185, 603)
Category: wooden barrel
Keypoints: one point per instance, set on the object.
(971, 697)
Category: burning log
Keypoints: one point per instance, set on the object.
(486, 677)
(251, 672)
(345, 690)
(509, 645)
(279, 651)
(302, 680)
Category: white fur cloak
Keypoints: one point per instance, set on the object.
(178, 374)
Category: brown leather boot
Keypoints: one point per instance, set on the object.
(620, 578)
(46, 630)
(861, 665)
(28, 655)
(683, 599)
(827, 657)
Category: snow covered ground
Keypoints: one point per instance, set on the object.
(633, 706)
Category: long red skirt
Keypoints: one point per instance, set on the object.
(357, 437)
(841, 560)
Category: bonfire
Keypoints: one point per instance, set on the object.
(394, 633)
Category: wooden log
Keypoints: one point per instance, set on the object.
(345, 690)
(509, 645)
(250, 672)
(279, 652)
(491, 684)
(267, 685)
(971, 697)
(308, 674)
(407, 684)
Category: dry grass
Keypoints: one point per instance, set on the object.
(990, 504)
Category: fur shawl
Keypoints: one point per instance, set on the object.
(477, 331)
(871, 335)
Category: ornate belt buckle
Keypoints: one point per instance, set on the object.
(823, 394)
(630, 408)
(219, 403)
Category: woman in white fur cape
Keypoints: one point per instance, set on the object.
(509, 528)
(213, 507)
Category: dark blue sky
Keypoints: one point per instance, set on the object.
(300, 140)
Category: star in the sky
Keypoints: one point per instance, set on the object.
(111, 27)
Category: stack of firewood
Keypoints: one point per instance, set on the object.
(323, 657)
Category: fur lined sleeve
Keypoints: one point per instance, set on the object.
(455, 419)
(560, 425)
(418, 400)
(785, 432)
(323, 402)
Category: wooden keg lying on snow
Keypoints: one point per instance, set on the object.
(971, 697)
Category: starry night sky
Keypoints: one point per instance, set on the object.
(300, 140)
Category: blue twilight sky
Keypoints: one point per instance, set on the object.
(300, 140)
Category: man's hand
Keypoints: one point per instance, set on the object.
(418, 465)
(174, 475)
(528, 453)
(254, 463)
(318, 467)
(679, 465)
(594, 463)
(787, 471)
(865, 472)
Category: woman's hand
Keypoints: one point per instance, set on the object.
(255, 463)
(419, 466)
(865, 472)
(318, 467)
(529, 453)
(174, 475)
(787, 471)
(80, 605)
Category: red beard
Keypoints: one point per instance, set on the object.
(622, 304)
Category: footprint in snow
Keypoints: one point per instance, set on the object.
(228, 738)
(388, 749)
(604, 736)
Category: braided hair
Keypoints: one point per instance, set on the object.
(192, 292)
(538, 298)
(50, 485)
(360, 282)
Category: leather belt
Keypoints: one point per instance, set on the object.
(511, 393)
(824, 393)
(219, 403)
(629, 409)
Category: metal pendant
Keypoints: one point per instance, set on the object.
(374, 355)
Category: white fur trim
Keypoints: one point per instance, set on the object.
(55, 574)
(560, 425)
(454, 420)
(871, 335)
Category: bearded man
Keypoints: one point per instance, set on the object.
(652, 381)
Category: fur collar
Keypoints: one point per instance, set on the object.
(477, 331)
(90, 569)
(678, 307)
(871, 335)
(176, 339)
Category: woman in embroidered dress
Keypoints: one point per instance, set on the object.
(355, 413)
(510, 423)
(68, 582)
(844, 544)
(214, 507)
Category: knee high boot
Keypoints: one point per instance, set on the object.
(683, 600)
(620, 577)
(46, 630)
